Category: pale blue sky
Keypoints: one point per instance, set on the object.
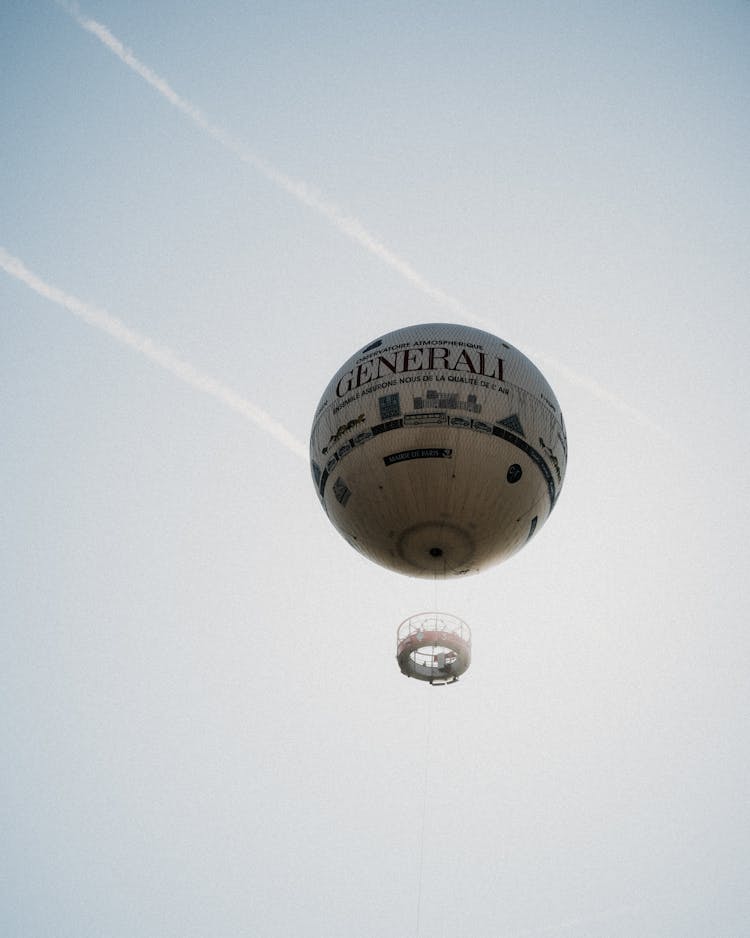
(203, 727)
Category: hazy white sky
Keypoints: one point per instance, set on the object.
(203, 727)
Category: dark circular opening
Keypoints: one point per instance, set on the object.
(436, 552)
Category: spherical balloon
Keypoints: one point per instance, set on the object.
(438, 450)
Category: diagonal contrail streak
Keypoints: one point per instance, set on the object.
(297, 188)
(307, 195)
(156, 352)
(580, 381)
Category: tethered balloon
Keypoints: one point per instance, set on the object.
(438, 450)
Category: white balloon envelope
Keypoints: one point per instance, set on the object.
(438, 450)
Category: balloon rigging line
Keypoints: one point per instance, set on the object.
(424, 808)
(154, 351)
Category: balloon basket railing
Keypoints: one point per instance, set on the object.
(433, 647)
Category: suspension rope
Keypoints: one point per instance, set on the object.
(428, 708)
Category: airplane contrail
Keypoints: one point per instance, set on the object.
(309, 196)
(580, 381)
(300, 190)
(154, 351)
